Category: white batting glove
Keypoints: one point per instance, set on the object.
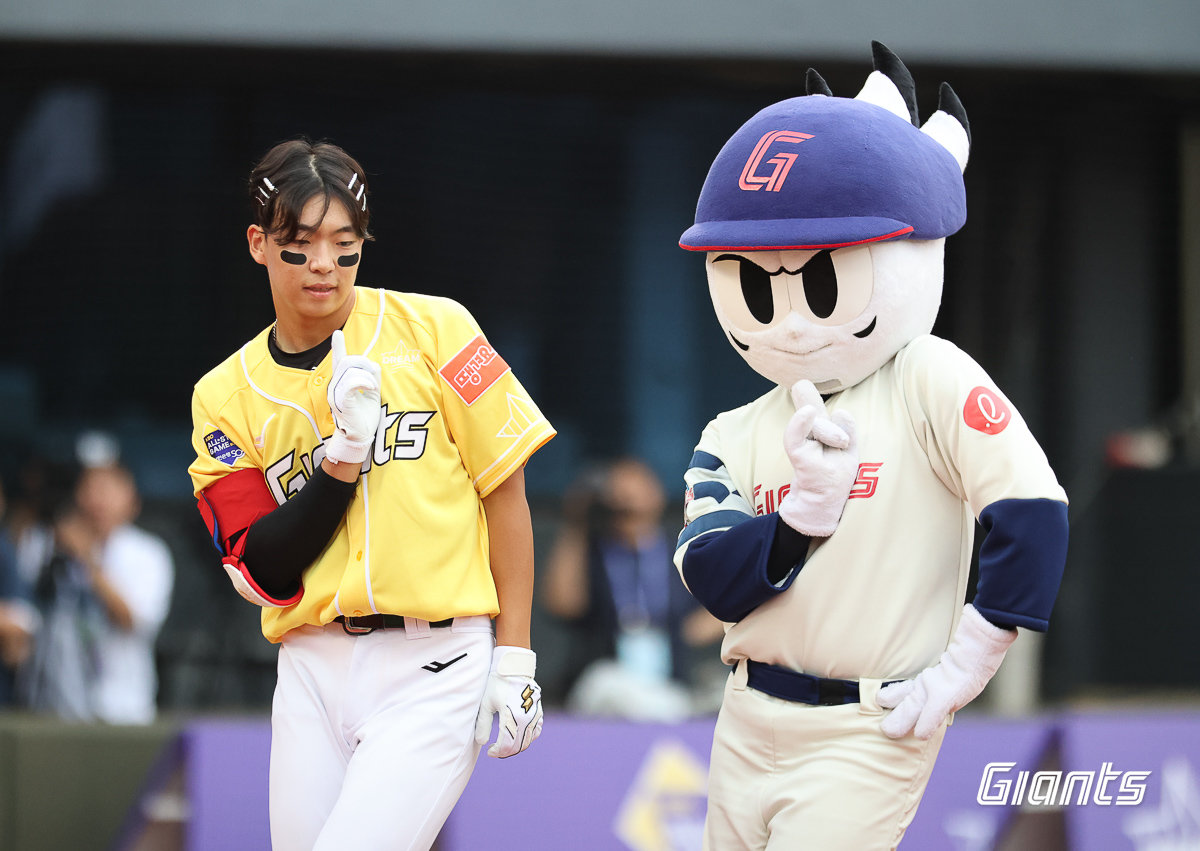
(354, 400)
(824, 455)
(511, 692)
(922, 704)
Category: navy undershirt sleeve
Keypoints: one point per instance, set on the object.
(734, 571)
(1021, 561)
(280, 545)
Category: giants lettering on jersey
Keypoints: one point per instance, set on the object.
(767, 500)
(867, 480)
(864, 487)
(401, 436)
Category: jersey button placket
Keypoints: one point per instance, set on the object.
(320, 403)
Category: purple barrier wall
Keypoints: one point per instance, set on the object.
(1121, 781)
(950, 817)
(589, 785)
(1144, 792)
(225, 776)
(597, 785)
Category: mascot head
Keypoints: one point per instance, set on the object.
(824, 220)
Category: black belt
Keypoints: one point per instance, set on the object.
(369, 623)
(792, 685)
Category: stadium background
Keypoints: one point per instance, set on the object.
(538, 162)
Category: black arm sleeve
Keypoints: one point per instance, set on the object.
(280, 545)
(788, 549)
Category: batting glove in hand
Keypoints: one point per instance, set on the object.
(921, 705)
(354, 400)
(824, 455)
(511, 692)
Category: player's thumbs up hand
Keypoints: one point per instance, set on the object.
(512, 693)
(823, 450)
(354, 400)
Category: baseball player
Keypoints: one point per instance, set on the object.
(830, 521)
(359, 464)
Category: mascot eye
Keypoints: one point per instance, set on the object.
(833, 287)
(756, 290)
(821, 285)
(747, 296)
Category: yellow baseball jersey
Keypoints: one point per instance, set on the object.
(454, 424)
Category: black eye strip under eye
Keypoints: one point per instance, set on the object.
(297, 259)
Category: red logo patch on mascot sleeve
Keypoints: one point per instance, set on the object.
(985, 411)
(474, 369)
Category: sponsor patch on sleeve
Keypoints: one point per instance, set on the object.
(985, 411)
(474, 369)
(222, 448)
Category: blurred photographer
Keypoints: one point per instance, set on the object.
(634, 628)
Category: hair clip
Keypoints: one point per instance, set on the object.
(266, 195)
(362, 187)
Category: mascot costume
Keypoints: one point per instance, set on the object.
(829, 523)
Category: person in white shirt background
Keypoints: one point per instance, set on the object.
(130, 573)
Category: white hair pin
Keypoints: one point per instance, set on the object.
(362, 187)
(263, 192)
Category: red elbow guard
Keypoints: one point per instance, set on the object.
(229, 507)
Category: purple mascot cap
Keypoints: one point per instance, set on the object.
(826, 172)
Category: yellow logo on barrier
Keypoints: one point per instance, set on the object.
(664, 808)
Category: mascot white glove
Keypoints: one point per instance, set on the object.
(354, 400)
(824, 455)
(922, 704)
(511, 692)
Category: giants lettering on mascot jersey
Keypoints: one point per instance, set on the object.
(407, 431)
(864, 487)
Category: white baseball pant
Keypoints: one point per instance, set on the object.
(373, 736)
(790, 776)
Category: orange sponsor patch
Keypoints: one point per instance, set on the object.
(474, 369)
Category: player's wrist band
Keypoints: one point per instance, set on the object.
(787, 684)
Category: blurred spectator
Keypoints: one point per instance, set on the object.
(634, 629)
(104, 593)
(131, 573)
(43, 490)
(18, 618)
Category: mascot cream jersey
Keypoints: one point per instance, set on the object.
(928, 464)
(830, 522)
(455, 422)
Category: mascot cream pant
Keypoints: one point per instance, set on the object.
(830, 522)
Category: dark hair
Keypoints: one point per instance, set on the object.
(293, 173)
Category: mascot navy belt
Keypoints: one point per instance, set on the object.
(787, 684)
